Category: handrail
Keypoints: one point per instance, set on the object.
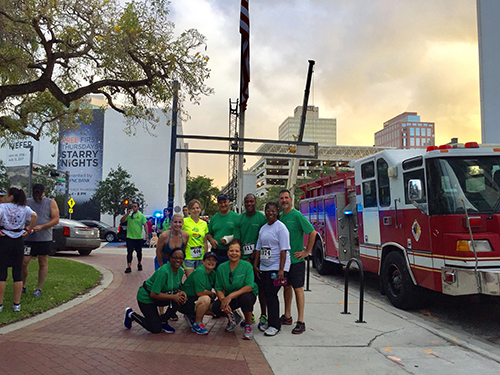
(361, 289)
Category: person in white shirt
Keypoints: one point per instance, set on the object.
(273, 261)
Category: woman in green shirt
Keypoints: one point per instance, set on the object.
(235, 288)
(163, 288)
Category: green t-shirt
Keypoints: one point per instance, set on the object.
(197, 232)
(241, 276)
(165, 224)
(246, 229)
(162, 281)
(199, 281)
(135, 225)
(221, 226)
(297, 225)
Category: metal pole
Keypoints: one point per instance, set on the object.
(30, 174)
(308, 273)
(173, 148)
(66, 194)
(240, 161)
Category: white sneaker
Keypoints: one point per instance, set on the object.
(16, 308)
(271, 331)
(231, 322)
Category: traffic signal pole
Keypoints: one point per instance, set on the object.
(30, 174)
(173, 150)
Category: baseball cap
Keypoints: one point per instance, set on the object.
(38, 190)
(222, 196)
(209, 254)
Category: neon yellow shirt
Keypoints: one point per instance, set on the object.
(197, 232)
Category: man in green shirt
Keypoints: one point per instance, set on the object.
(297, 225)
(221, 225)
(136, 222)
(198, 288)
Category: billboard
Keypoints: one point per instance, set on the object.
(80, 152)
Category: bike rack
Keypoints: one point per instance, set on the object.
(361, 289)
(308, 273)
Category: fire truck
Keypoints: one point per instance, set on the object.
(420, 219)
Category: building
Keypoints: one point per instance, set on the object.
(488, 21)
(405, 131)
(320, 130)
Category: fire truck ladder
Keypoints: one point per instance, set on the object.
(233, 146)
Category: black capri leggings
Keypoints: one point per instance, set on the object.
(245, 302)
(152, 320)
(11, 255)
(134, 245)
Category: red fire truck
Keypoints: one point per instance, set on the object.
(418, 218)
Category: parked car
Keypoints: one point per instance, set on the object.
(74, 235)
(122, 231)
(106, 232)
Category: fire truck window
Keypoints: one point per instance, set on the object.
(412, 163)
(414, 175)
(384, 191)
(368, 170)
(369, 194)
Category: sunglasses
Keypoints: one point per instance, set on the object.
(3, 192)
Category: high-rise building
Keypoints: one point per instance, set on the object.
(405, 131)
(320, 130)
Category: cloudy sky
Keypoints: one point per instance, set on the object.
(374, 60)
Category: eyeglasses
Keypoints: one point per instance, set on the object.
(176, 258)
(231, 277)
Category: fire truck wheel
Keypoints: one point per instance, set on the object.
(397, 282)
(323, 266)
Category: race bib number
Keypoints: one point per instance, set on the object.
(196, 252)
(265, 253)
(27, 250)
(248, 248)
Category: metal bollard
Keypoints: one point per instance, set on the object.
(361, 289)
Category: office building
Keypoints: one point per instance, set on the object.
(406, 131)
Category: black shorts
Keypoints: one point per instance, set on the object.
(32, 248)
(297, 275)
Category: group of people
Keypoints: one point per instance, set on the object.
(227, 265)
(25, 234)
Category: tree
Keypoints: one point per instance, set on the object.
(201, 188)
(4, 178)
(112, 192)
(53, 54)
(273, 195)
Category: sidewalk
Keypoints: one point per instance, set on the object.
(89, 338)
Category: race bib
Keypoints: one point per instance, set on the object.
(27, 250)
(248, 248)
(265, 253)
(196, 252)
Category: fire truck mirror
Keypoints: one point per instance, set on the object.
(415, 192)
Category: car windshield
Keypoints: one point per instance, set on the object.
(475, 179)
(105, 225)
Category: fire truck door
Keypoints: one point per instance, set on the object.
(371, 222)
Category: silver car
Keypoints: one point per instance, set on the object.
(73, 235)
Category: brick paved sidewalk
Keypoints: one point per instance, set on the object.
(91, 339)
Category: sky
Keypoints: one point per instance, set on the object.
(374, 60)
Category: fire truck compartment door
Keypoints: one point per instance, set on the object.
(371, 225)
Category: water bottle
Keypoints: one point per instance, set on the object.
(274, 275)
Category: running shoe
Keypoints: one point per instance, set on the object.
(127, 322)
(189, 319)
(244, 323)
(238, 318)
(174, 318)
(24, 290)
(37, 293)
(231, 322)
(139, 267)
(199, 329)
(286, 321)
(1, 308)
(271, 331)
(128, 270)
(300, 327)
(248, 335)
(167, 328)
(263, 323)
(16, 307)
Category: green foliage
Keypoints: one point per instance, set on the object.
(66, 280)
(53, 54)
(273, 195)
(112, 192)
(201, 188)
(4, 178)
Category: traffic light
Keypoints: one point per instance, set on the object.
(126, 202)
(37, 169)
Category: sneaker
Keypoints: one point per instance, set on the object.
(37, 293)
(127, 322)
(1, 308)
(263, 323)
(271, 331)
(238, 318)
(199, 329)
(167, 328)
(231, 322)
(300, 327)
(128, 270)
(248, 335)
(286, 321)
(244, 323)
(24, 290)
(16, 307)
(139, 267)
(174, 318)
(189, 319)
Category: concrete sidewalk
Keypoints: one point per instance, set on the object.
(89, 338)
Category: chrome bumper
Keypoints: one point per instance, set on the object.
(464, 281)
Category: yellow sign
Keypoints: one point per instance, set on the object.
(71, 202)
(70, 210)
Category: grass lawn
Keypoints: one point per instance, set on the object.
(66, 280)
